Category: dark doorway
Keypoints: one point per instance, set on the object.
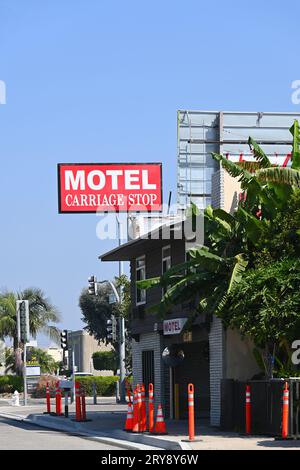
(148, 368)
(194, 369)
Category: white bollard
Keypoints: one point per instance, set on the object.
(16, 399)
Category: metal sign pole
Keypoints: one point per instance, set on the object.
(25, 376)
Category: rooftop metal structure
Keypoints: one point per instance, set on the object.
(199, 133)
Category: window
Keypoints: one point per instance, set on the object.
(148, 368)
(166, 262)
(140, 276)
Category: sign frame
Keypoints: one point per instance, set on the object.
(33, 371)
(181, 322)
(19, 333)
(117, 211)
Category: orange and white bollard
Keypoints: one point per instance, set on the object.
(139, 405)
(48, 402)
(248, 409)
(143, 410)
(77, 402)
(135, 424)
(58, 400)
(191, 412)
(151, 408)
(285, 412)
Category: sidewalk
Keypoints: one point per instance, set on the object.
(107, 422)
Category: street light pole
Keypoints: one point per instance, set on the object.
(121, 320)
(119, 297)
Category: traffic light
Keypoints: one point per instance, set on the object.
(23, 320)
(111, 329)
(92, 280)
(64, 340)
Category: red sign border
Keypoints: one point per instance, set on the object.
(107, 164)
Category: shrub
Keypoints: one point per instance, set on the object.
(40, 389)
(10, 383)
(105, 385)
(105, 360)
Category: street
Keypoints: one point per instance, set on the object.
(22, 436)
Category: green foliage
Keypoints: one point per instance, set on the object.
(35, 356)
(294, 130)
(45, 361)
(265, 304)
(10, 383)
(106, 360)
(96, 309)
(280, 238)
(205, 279)
(105, 386)
(42, 314)
(259, 154)
(279, 175)
(249, 270)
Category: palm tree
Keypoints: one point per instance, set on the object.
(42, 315)
(46, 362)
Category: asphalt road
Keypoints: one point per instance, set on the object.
(16, 435)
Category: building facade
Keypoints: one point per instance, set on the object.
(150, 257)
(84, 345)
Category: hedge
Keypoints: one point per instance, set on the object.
(105, 385)
(10, 383)
(105, 360)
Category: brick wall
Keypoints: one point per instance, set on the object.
(148, 341)
(216, 368)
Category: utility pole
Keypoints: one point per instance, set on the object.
(121, 326)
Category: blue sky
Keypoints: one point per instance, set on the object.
(95, 81)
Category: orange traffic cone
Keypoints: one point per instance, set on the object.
(129, 419)
(135, 422)
(160, 426)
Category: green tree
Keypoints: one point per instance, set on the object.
(96, 310)
(265, 304)
(42, 314)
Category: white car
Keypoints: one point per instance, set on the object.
(82, 374)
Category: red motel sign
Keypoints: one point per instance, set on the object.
(104, 187)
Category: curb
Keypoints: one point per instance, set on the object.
(106, 439)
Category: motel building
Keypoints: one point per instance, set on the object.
(202, 355)
(206, 353)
